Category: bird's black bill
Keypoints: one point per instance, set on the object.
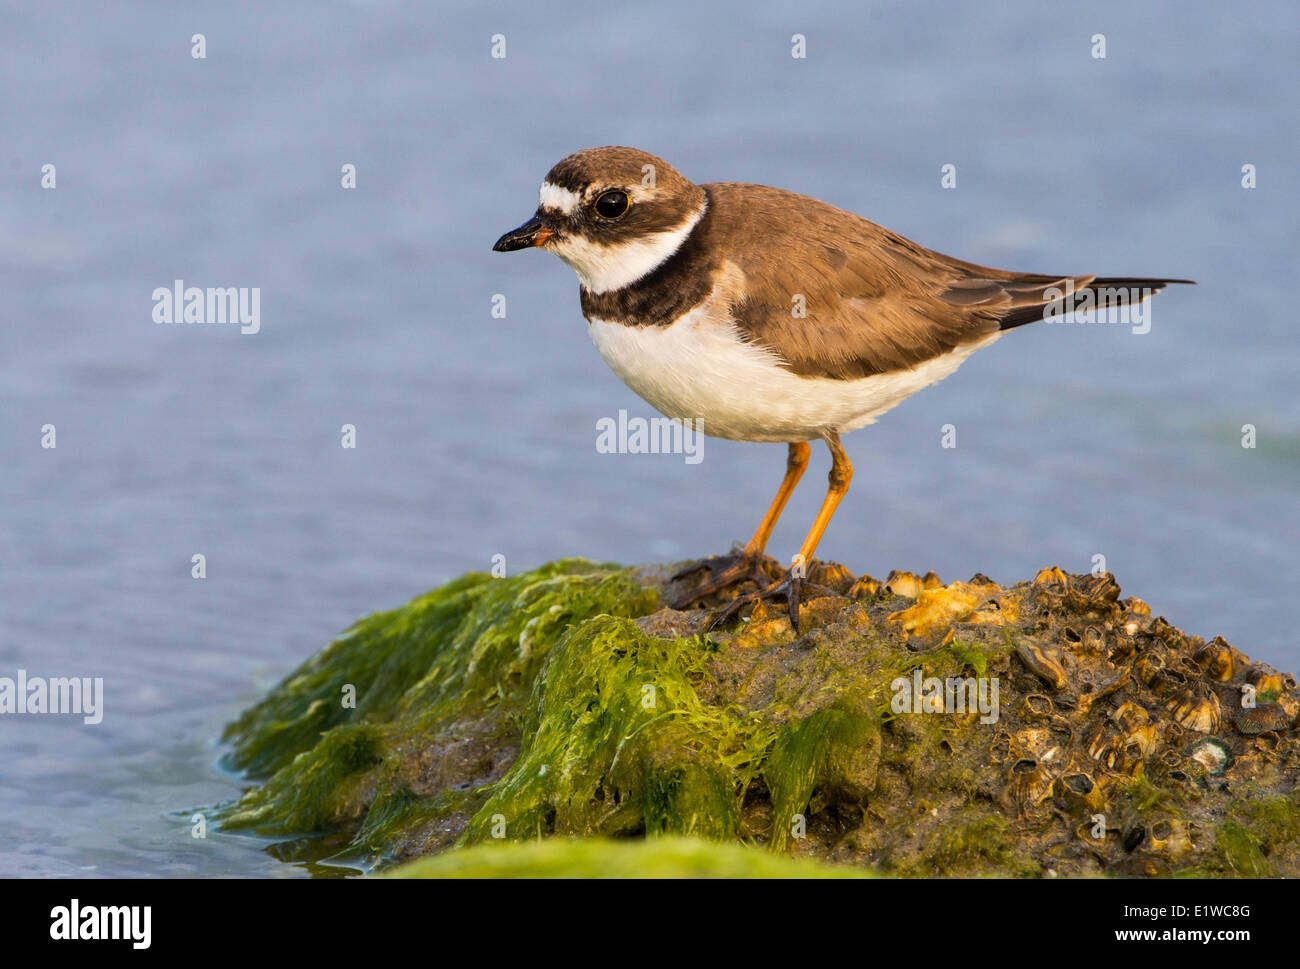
(531, 233)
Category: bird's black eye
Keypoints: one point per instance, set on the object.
(612, 204)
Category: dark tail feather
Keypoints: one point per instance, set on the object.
(1020, 315)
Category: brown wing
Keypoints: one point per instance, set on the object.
(871, 300)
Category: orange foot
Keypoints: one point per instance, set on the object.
(726, 570)
(790, 586)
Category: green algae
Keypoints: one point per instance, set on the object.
(1258, 832)
(472, 645)
(666, 857)
(620, 742)
(980, 844)
(309, 793)
(972, 656)
(1274, 821)
(837, 747)
(1242, 851)
(1143, 795)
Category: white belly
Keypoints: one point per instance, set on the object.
(700, 368)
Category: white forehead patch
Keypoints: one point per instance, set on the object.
(555, 197)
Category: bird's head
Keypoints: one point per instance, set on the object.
(613, 214)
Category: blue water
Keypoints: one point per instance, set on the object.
(476, 436)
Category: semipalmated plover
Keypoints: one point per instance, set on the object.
(771, 316)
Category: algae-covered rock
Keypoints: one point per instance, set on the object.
(1049, 727)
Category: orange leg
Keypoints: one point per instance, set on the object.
(795, 465)
(837, 486)
(747, 563)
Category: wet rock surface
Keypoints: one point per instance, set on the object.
(1051, 727)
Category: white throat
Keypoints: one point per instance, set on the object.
(604, 268)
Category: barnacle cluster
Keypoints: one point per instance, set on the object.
(1127, 745)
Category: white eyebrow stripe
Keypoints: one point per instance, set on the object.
(555, 197)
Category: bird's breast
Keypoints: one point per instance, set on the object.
(701, 367)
